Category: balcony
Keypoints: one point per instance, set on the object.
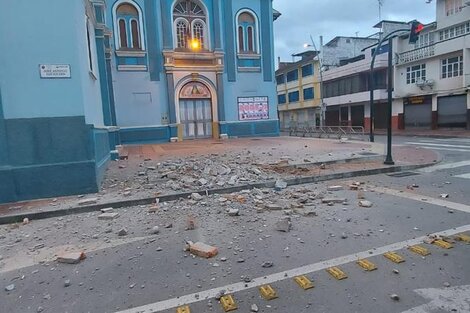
(416, 54)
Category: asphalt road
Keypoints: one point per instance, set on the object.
(154, 274)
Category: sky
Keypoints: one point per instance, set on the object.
(331, 18)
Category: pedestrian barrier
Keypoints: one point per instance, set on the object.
(338, 132)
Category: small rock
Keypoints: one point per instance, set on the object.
(280, 185)
(71, 258)
(234, 212)
(155, 230)
(444, 195)
(67, 283)
(254, 308)
(170, 225)
(395, 297)
(88, 201)
(267, 264)
(40, 309)
(122, 232)
(240, 260)
(108, 216)
(395, 271)
(335, 188)
(446, 284)
(196, 197)
(25, 221)
(107, 210)
(283, 225)
(10, 287)
(365, 204)
(344, 236)
(202, 182)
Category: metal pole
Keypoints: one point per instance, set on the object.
(389, 159)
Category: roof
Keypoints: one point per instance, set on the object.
(379, 24)
(347, 37)
(307, 57)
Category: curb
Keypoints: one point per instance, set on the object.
(10, 219)
(436, 136)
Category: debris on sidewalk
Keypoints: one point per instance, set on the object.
(108, 216)
(202, 250)
(190, 223)
(71, 257)
(196, 197)
(122, 232)
(254, 308)
(107, 210)
(283, 225)
(444, 195)
(335, 188)
(10, 287)
(88, 201)
(394, 297)
(280, 185)
(233, 212)
(365, 204)
(333, 200)
(25, 221)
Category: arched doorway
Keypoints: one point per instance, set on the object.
(195, 111)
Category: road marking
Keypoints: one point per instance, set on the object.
(394, 257)
(419, 250)
(337, 273)
(464, 176)
(281, 276)
(463, 237)
(455, 299)
(304, 282)
(444, 166)
(436, 145)
(268, 292)
(420, 198)
(183, 309)
(367, 265)
(227, 302)
(443, 244)
(446, 149)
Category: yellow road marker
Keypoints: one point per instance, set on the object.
(337, 273)
(228, 303)
(443, 244)
(367, 265)
(419, 250)
(268, 292)
(304, 282)
(183, 309)
(463, 237)
(394, 257)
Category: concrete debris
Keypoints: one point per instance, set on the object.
(71, 257)
(67, 283)
(220, 294)
(333, 200)
(344, 236)
(107, 210)
(88, 201)
(323, 166)
(25, 221)
(254, 308)
(283, 225)
(233, 212)
(395, 297)
(155, 230)
(335, 188)
(190, 224)
(267, 264)
(10, 287)
(202, 250)
(395, 271)
(444, 195)
(122, 232)
(447, 284)
(108, 216)
(196, 197)
(273, 207)
(280, 185)
(365, 204)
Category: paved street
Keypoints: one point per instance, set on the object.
(148, 271)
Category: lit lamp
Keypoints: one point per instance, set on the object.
(194, 44)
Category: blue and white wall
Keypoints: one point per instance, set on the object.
(47, 126)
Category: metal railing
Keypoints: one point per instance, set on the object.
(337, 132)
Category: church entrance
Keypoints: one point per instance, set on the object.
(195, 111)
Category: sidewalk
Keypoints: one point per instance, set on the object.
(156, 171)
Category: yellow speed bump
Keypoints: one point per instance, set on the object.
(337, 273)
(228, 303)
(304, 282)
(463, 237)
(394, 257)
(183, 309)
(443, 244)
(268, 292)
(367, 265)
(419, 250)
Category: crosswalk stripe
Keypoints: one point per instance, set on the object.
(466, 176)
(444, 166)
(437, 145)
(446, 149)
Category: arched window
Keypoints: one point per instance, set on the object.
(247, 25)
(190, 25)
(128, 26)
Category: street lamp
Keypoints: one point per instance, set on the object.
(320, 61)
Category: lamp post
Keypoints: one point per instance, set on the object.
(320, 61)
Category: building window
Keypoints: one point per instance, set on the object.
(307, 70)
(452, 67)
(293, 75)
(456, 31)
(280, 79)
(128, 26)
(453, 7)
(281, 99)
(415, 73)
(293, 96)
(425, 40)
(247, 38)
(190, 25)
(309, 93)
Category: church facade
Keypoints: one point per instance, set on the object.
(88, 75)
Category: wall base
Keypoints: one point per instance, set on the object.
(268, 128)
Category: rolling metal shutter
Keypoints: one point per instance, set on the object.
(452, 111)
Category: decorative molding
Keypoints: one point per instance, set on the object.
(249, 56)
(249, 69)
(131, 53)
(132, 68)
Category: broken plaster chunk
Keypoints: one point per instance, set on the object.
(280, 185)
(283, 225)
(71, 257)
(333, 200)
(196, 197)
(203, 250)
(88, 201)
(234, 212)
(107, 210)
(335, 188)
(365, 204)
(108, 216)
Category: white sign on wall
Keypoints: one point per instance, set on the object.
(54, 71)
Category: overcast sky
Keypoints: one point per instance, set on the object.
(332, 18)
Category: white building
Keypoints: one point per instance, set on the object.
(432, 77)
